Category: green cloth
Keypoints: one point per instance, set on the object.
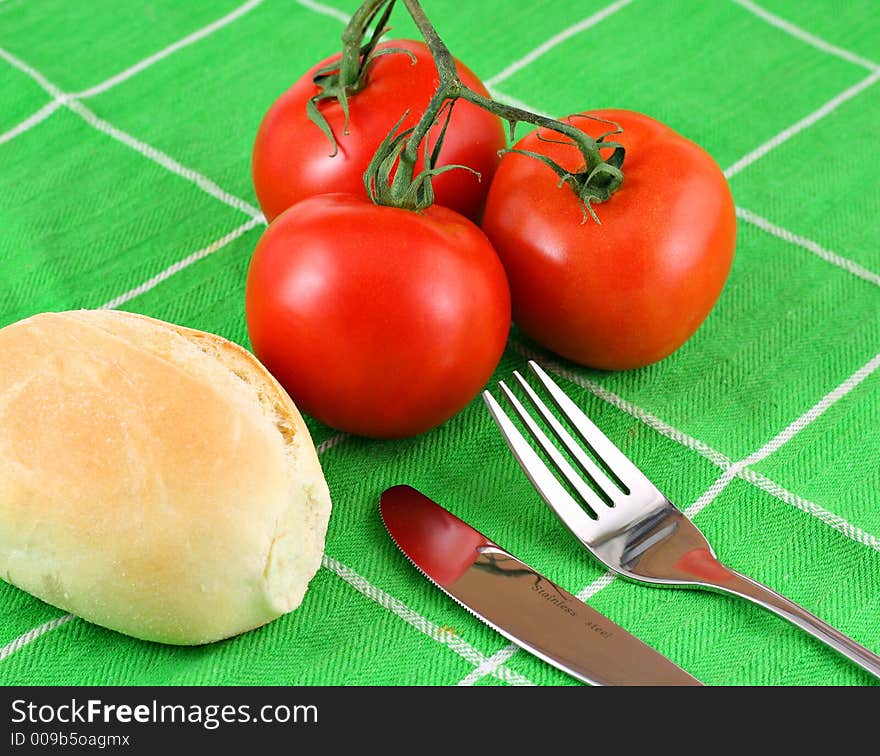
(99, 197)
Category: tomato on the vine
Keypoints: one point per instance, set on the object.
(629, 291)
(377, 320)
(292, 157)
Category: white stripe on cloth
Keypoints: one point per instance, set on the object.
(555, 40)
(489, 666)
(31, 635)
(805, 36)
(32, 120)
(325, 10)
(180, 265)
(331, 442)
(188, 40)
(742, 469)
(148, 151)
(416, 620)
(809, 245)
(712, 492)
(511, 100)
(166, 161)
(832, 520)
(34, 74)
(805, 122)
(816, 411)
(61, 98)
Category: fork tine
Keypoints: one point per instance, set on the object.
(544, 481)
(561, 463)
(609, 488)
(616, 460)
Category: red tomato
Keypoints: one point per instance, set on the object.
(378, 321)
(632, 290)
(292, 156)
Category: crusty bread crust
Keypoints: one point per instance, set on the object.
(154, 479)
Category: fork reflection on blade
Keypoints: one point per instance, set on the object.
(623, 519)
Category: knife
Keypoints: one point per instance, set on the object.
(518, 602)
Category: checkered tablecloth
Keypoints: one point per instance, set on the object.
(125, 136)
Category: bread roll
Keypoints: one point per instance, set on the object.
(153, 479)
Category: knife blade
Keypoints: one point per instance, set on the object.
(520, 603)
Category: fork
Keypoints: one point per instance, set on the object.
(635, 530)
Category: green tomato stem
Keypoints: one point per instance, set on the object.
(352, 41)
(595, 181)
(391, 178)
(338, 81)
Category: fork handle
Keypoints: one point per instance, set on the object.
(745, 587)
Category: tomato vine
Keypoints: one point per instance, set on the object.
(392, 178)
